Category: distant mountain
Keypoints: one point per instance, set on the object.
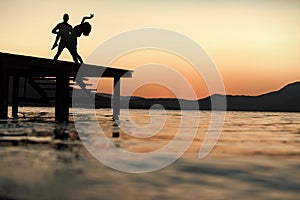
(286, 99)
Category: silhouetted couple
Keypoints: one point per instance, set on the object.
(67, 36)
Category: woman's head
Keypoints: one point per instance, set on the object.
(86, 28)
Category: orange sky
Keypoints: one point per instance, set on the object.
(255, 44)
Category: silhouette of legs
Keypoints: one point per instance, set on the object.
(61, 46)
(58, 53)
(72, 49)
(74, 54)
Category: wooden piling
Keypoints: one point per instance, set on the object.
(15, 97)
(62, 99)
(3, 91)
(116, 98)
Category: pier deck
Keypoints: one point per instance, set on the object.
(16, 66)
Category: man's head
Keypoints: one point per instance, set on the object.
(66, 17)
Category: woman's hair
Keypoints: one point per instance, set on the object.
(86, 28)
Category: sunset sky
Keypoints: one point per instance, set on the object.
(255, 44)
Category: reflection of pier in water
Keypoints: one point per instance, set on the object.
(61, 74)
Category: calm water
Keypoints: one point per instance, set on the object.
(256, 157)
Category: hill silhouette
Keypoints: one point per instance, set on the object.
(286, 99)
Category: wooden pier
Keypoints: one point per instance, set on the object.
(17, 66)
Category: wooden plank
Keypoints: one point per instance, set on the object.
(37, 88)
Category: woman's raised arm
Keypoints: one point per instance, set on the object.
(89, 17)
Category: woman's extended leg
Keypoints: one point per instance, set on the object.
(73, 53)
(79, 58)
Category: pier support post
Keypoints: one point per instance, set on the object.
(116, 98)
(62, 99)
(15, 97)
(4, 84)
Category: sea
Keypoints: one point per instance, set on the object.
(252, 155)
